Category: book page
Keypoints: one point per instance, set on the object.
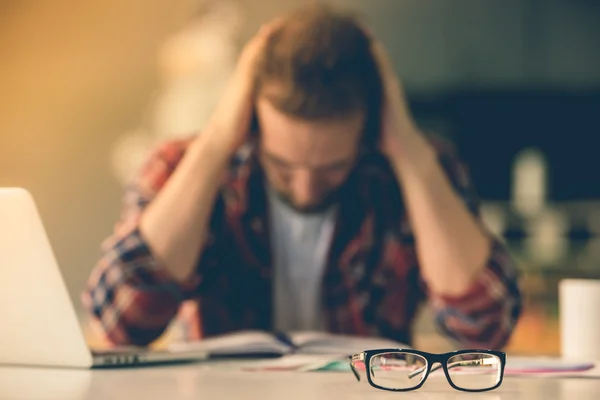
(310, 342)
(237, 343)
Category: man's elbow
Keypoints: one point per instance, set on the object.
(138, 324)
(134, 336)
(492, 329)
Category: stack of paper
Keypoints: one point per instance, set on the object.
(550, 367)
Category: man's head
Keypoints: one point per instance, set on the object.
(318, 96)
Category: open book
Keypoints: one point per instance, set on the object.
(264, 344)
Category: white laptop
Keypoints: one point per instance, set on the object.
(38, 323)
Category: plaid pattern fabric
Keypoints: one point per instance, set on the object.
(371, 285)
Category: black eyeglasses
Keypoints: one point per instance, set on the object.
(402, 370)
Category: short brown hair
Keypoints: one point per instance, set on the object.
(319, 65)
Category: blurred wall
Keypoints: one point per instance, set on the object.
(75, 75)
(440, 44)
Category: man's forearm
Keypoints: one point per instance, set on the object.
(175, 223)
(452, 247)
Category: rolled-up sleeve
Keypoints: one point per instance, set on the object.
(129, 294)
(486, 314)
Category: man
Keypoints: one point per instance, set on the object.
(329, 211)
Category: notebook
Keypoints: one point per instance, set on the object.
(266, 344)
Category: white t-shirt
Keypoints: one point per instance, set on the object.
(300, 243)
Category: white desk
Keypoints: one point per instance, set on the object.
(197, 382)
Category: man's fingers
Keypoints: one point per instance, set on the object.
(254, 47)
(382, 58)
(268, 28)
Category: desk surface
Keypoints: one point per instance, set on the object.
(198, 382)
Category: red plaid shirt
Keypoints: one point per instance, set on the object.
(371, 285)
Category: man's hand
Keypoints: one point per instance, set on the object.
(400, 137)
(229, 124)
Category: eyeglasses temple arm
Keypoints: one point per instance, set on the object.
(356, 357)
(450, 366)
(419, 371)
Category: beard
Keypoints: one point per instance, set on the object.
(326, 202)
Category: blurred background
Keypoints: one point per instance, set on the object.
(88, 87)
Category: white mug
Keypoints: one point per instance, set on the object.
(579, 313)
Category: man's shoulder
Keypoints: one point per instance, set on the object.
(166, 156)
(172, 151)
(162, 159)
